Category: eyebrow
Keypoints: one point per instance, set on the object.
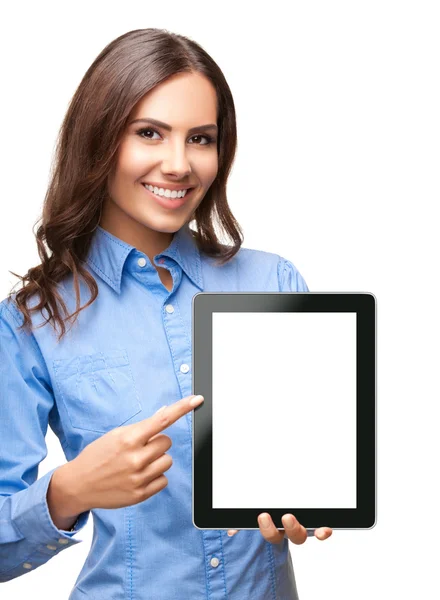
(210, 126)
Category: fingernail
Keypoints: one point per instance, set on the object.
(289, 522)
(196, 401)
(265, 521)
(161, 409)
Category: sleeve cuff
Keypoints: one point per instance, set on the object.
(33, 519)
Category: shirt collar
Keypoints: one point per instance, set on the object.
(107, 255)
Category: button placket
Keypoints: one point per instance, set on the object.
(176, 336)
(184, 367)
(215, 563)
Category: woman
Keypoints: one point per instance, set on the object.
(145, 148)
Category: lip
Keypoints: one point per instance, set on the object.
(169, 186)
(169, 202)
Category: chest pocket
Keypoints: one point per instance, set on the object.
(98, 390)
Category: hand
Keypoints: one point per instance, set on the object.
(296, 534)
(124, 466)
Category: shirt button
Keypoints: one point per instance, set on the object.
(184, 368)
(142, 262)
(27, 566)
(51, 547)
(169, 308)
(63, 541)
(215, 562)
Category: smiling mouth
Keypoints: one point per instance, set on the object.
(171, 203)
(168, 193)
(180, 198)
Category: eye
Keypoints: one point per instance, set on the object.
(207, 137)
(146, 130)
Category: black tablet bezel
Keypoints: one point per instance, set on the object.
(364, 305)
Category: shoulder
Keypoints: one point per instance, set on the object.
(11, 313)
(266, 270)
(289, 277)
(14, 338)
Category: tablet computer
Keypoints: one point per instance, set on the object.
(288, 424)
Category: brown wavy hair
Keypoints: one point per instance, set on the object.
(86, 154)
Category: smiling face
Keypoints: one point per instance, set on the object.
(178, 153)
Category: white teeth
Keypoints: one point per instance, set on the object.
(165, 192)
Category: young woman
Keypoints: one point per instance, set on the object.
(145, 148)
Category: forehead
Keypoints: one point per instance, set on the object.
(183, 100)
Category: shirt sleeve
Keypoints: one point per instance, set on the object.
(28, 536)
(289, 278)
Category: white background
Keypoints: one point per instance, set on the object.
(337, 170)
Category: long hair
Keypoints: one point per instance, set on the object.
(86, 154)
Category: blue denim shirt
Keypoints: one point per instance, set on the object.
(128, 354)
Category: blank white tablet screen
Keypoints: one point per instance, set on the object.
(284, 409)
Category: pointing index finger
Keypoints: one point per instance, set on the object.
(167, 415)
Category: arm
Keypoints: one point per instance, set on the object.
(28, 535)
(63, 514)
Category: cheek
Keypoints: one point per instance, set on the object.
(209, 169)
(133, 162)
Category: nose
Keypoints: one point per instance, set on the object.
(176, 161)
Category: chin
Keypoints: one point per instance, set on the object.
(165, 225)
